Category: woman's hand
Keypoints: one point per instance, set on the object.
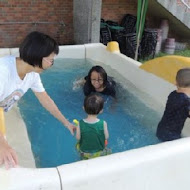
(71, 127)
(8, 155)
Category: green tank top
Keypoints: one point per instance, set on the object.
(92, 136)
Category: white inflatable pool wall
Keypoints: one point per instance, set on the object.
(163, 166)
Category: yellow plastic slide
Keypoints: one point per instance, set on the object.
(166, 67)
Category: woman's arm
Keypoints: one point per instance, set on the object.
(49, 105)
(106, 133)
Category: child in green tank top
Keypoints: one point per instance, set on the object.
(92, 132)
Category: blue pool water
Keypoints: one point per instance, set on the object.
(131, 123)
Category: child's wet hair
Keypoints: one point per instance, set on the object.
(93, 104)
(99, 70)
(183, 78)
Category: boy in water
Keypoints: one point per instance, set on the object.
(91, 131)
(177, 108)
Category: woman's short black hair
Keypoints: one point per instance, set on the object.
(99, 70)
(93, 104)
(35, 46)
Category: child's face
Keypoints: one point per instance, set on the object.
(96, 80)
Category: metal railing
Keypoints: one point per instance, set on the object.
(186, 4)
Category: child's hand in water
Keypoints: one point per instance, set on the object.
(78, 83)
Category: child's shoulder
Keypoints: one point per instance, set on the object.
(174, 94)
(178, 98)
(177, 94)
(102, 121)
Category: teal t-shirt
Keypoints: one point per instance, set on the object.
(92, 136)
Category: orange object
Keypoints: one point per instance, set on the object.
(106, 142)
(2, 121)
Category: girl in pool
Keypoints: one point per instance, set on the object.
(92, 132)
(97, 81)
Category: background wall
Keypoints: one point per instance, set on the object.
(116, 9)
(54, 12)
(31, 11)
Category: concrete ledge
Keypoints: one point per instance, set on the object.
(74, 52)
(180, 13)
(154, 167)
(14, 51)
(16, 135)
(29, 179)
(176, 10)
(4, 51)
(187, 18)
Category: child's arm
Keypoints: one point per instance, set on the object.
(78, 83)
(106, 133)
(78, 132)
